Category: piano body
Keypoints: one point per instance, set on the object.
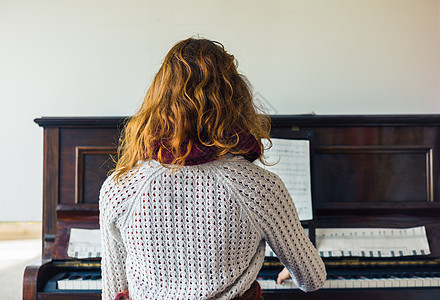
(368, 172)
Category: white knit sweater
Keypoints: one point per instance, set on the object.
(199, 233)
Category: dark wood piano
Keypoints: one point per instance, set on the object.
(368, 171)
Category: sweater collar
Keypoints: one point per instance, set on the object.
(201, 154)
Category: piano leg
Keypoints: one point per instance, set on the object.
(30, 282)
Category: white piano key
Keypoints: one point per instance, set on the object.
(99, 284)
(434, 281)
(272, 284)
(289, 284)
(76, 284)
(85, 284)
(333, 284)
(411, 282)
(364, 283)
(264, 284)
(427, 282)
(326, 284)
(403, 282)
(372, 283)
(395, 282)
(388, 283)
(92, 284)
(419, 282)
(61, 284)
(357, 283)
(69, 284)
(341, 284)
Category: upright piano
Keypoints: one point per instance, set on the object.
(369, 171)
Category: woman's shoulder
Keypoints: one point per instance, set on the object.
(129, 179)
(117, 192)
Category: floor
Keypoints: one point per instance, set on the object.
(15, 255)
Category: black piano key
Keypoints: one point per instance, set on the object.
(96, 277)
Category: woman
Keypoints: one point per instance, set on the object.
(186, 213)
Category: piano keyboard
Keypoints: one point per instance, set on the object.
(376, 253)
(76, 281)
(92, 281)
(80, 283)
(422, 279)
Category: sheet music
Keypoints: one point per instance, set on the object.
(293, 167)
(84, 243)
(372, 242)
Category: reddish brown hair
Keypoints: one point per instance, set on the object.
(196, 97)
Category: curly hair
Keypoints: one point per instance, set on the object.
(197, 96)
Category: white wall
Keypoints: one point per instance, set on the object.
(97, 58)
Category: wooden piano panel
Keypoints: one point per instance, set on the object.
(62, 182)
(81, 151)
(367, 162)
(382, 161)
(373, 174)
(92, 166)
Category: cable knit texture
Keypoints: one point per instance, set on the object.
(200, 232)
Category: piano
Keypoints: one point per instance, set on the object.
(369, 171)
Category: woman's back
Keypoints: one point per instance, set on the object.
(200, 232)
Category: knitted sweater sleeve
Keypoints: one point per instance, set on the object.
(113, 252)
(275, 214)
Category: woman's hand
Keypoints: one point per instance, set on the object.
(283, 275)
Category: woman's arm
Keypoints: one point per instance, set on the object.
(113, 269)
(275, 213)
(113, 253)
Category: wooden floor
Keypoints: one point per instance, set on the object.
(20, 230)
(20, 245)
(15, 255)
